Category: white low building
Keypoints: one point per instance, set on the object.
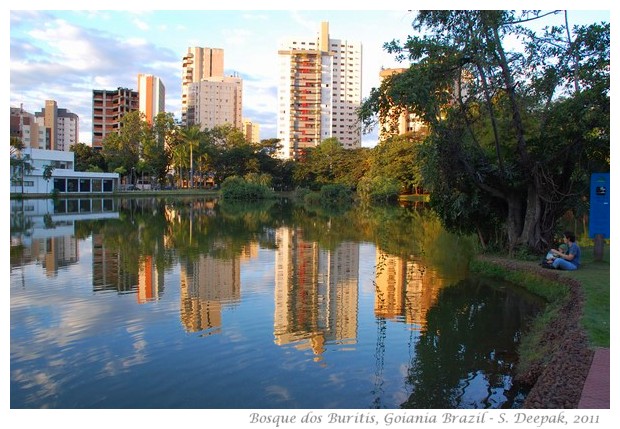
(63, 178)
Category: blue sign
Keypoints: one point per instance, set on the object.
(599, 204)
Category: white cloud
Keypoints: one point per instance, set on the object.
(141, 24)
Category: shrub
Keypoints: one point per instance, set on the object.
(235, 188)
(331, 195)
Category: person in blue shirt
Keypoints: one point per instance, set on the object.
(570, 259)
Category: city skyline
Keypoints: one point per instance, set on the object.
(64, 55)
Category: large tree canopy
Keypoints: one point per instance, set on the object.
(518, 119)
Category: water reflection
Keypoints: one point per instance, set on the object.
(316, 292)
(369, 307)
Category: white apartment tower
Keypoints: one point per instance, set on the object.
(151, 96)
(319, 92)
(198, 64)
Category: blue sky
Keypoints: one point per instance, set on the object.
(64, 54)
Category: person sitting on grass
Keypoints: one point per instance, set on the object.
(567, 260)
(551, 257)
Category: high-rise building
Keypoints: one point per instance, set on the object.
(152, 96)
(109, 107)
(319, 92)
(397, 122)
(215, 101)
(251, 131)
(198, 64)
(61, 126)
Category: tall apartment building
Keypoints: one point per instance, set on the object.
(251, 131)
(215, 101)
(393, 123)
(152, 96)
(198, 64)
(109, 107)
(62, 129)
(319, 92)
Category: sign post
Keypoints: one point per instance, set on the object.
(599, 212)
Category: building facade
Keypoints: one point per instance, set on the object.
(215, 101)
(251, 131)
(63, 176)
(24, 126)
(319, 92)
(61, 127)
(151, 95)
(198, 64)
(109, 107)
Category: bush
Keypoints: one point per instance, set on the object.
(334, 195)
(379, 189)
(235, 188)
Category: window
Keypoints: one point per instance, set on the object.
(84, 185)
(72, 185)
(60, 184)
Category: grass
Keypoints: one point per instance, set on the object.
(595, 278)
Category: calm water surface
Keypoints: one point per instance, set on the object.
(164, 303)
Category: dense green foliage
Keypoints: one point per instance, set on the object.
(236, 188)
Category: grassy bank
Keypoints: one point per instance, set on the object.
(593, 276)
(582, 295)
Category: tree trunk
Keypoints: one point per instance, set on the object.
(531, 233)
(514, 221)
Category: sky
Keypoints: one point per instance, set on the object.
(63, 54)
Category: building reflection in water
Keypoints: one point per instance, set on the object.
(206, 284)
(44, 229)
(405, 289)
(316, 293)
(316, 290)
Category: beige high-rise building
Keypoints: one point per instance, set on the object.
(152, 96)
(251, 131)
(394, 122)
(61, 127)
(319, 92)
(198, 64)
(215, 101)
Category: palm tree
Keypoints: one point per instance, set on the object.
(178, 157)
(192, 136)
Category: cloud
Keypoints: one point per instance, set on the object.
(72, 61)
(141, 24)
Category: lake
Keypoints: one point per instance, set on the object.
(178, 303)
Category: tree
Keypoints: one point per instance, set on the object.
(21, 164)
(48, 170)
(396, 159)
(86, 158)
(156, 152)
(192, 137)
(513, 134)
(123, 149)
